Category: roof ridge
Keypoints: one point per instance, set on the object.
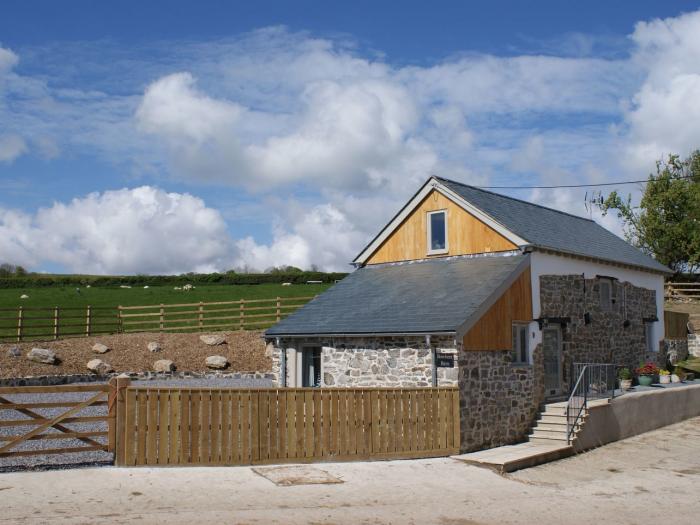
(514, 199)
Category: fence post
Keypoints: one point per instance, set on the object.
(162, 316)
(201, 315)
(242, 314)
(279, 309)
(88, 321)
(117, 426)
(55, 322)
(20, 317)
(120, 326)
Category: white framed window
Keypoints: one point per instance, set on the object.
(437, 232)
(520, 354)
(605, 294)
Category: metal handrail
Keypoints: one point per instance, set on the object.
(595, 380)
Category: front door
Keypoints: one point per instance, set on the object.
(551, 342)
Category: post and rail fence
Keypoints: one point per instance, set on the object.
(687, 290)
(37, 323)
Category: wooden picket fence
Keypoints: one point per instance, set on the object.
(19, 324)
(41, 423)
(179, 426)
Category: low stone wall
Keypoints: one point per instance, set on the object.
(498, 401)
(367, 362)
(134, 376)
(636, 413)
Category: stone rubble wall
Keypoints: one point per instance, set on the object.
(380, 361)
(694, 345)
(499, 401)
(605, 339)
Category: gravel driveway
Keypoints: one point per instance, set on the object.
(92, 457)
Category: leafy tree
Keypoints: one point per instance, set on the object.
(666, 223)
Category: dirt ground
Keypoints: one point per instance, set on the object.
(244, 350)
(651, 478)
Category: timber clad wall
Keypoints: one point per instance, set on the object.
(493, 330)
(465, 233)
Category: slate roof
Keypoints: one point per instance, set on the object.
(430, 296)
(548, 228)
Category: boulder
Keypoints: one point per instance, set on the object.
(42, 355)
(99, 366)
(164, 365)
(216, 361)
(14, 352)
(99, 348)
(212, 340)
(154, 346)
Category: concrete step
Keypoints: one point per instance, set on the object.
(554, 427)
(554, 419)
(543, 440)
(548, 434)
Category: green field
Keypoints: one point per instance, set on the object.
(104, 300)
(66, 297)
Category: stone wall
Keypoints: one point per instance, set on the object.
(499, 402)
(378, 361)
(605, 339)
(694, 345)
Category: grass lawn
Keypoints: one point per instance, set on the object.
(38, 323)
(65, 297)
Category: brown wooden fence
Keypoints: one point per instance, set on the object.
(690, 290)
(238, 315)
(176, 426)
(48, 422)
(675, 324)
(19, 324)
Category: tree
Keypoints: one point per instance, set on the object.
(666, 224)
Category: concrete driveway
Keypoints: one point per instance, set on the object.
(651, 478)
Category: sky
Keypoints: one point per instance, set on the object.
(167, 137)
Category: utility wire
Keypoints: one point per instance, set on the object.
(570, 185)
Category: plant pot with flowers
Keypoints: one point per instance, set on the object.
(625, 377)
(646, 373)
(664, 377)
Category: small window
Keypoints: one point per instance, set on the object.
(649, 332)
(605, 295)
(519, 352)
(437, 232)
(311, 367)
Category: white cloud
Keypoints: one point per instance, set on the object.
(11, 147)
(135, 230)
(8, 60)
(665, 113)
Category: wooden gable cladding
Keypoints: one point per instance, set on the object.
(465, 234)
(493, 330)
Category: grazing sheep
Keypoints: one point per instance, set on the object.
(24, 296)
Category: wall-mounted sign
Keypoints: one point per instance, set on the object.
(443, 360)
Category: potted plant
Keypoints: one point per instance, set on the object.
(678, 375)
(625, 377)
(664, 377)
(646, 373)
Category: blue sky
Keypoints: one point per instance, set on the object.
(176, 136)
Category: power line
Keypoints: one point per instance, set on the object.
(571, 185)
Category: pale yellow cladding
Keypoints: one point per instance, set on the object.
(465, 234)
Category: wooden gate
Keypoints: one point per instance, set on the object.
(176, 426)
(42, 423)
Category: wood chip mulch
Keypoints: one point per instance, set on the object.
(244, 350)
